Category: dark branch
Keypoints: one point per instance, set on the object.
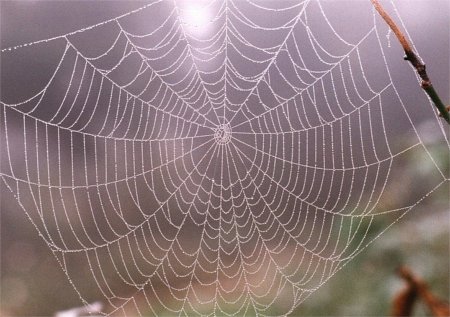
(404, 302)
(412, 57)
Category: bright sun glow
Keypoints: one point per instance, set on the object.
(196, 16)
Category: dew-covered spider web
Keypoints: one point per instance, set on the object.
(212, 158)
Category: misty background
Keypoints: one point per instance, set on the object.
(32, 281)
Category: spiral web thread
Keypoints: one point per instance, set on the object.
(230, 172)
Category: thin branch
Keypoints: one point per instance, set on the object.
(412, 57)
(404, 302)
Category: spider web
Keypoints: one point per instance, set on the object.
(229, 168)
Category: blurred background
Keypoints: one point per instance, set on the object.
(32, 282)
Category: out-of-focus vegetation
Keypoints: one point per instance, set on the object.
(367, 285)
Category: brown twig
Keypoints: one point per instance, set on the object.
(412, 57)
(404, 301)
